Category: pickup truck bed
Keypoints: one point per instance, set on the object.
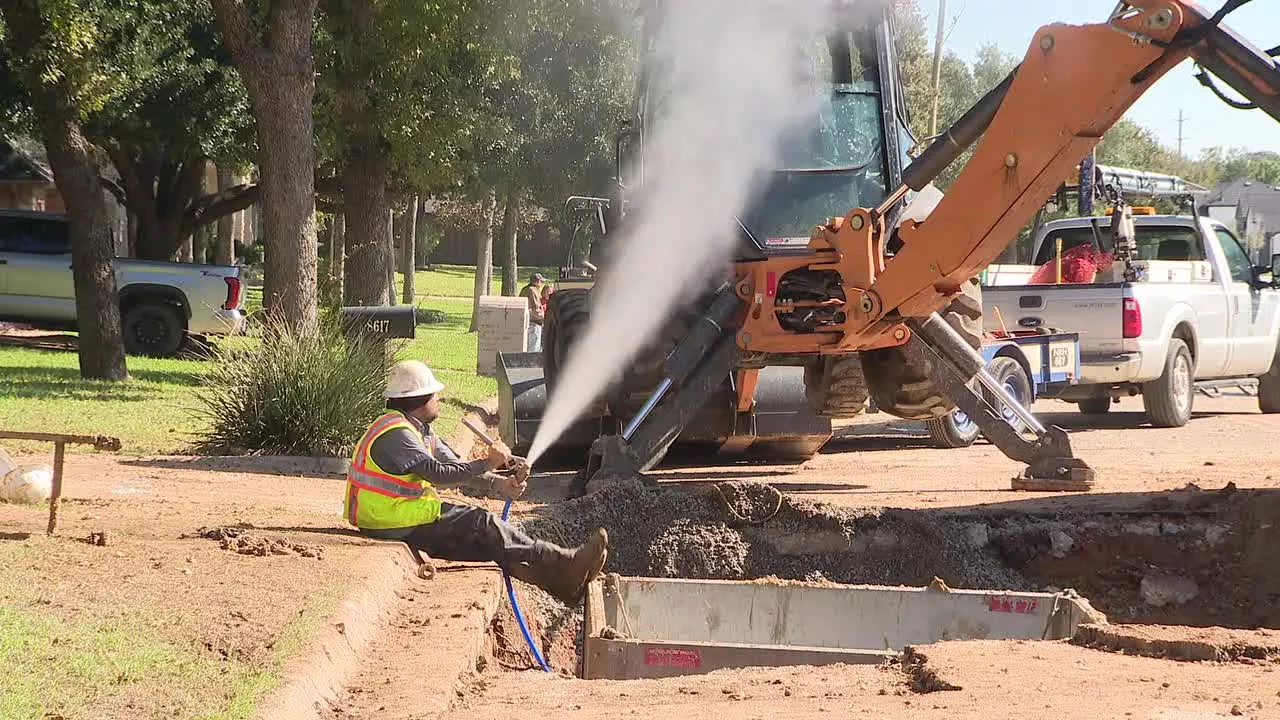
(1198, 310)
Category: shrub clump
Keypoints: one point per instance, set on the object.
(431, 316)
(280, 392)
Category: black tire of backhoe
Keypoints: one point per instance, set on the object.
(906, 389)
(567, 315)
(836, 387)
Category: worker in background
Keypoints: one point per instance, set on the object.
(391, 494)
(532, 293)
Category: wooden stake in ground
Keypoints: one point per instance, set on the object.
(99, 442)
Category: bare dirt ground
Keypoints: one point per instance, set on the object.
(994, 679)
(869, 465)
(1182, 528)
(234, 571)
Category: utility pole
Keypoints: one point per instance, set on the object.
(937, 65)
(1181, 120)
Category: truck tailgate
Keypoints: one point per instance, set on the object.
(1093, 311)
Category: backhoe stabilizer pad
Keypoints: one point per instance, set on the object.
(610, 456)
(1056, 474)
(1055, 469)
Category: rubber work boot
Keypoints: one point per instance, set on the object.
(582, 567)
(563, 573)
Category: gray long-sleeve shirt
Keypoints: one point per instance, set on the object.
(402, 452)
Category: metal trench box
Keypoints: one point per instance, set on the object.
(652, 628)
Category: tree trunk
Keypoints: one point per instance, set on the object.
(132, 222)
(422, 247)
(391, 257)
(510, 229)
(277, 65)
(101, 346)
(410, 252)
(339, 254)
(484, 257)
(224, 249)
(365, 206)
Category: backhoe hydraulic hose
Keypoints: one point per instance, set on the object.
(957, 138)
(688, 355)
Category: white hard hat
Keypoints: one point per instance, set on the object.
(411, 378)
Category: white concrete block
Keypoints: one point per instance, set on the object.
(502, 325)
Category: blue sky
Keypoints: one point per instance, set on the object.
(1010, 24)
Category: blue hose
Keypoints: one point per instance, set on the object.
(515, 606)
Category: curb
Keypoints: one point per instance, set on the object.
(317, 677)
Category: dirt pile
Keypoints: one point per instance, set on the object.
(1213, 644)
(1203, 559)
(244, 542)
(743, 530)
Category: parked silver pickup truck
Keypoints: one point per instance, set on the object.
(1196, 309)
(161, 303)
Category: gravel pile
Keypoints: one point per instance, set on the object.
(745, 530)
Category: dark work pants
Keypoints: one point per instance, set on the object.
(466, 534)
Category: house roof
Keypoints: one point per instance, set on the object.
(18, 166)
(1261, 198)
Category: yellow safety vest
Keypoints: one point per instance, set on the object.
(379, 500)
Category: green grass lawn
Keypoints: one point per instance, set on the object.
(458, 281)
(154, 412)
(58, 669)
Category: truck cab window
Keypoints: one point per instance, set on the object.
(1237, 258)
(1155, 242)
(34, 235)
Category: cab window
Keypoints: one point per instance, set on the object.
(1237, 258)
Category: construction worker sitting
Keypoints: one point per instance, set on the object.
(391, 494)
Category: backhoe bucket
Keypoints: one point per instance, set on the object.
(522, 399)
(781, 427)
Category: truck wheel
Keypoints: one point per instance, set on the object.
(956, 430)
(1010, 375)
(152, 328)
(1269, 387)
(1168, 398)
(1095, 405)
(906, 389)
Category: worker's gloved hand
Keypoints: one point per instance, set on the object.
(520, 468)
(499, 455)
(509, 487)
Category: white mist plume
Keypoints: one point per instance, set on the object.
(733, 97)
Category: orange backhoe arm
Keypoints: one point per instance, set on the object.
(1074, 83)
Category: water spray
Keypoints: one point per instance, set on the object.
(716, 128)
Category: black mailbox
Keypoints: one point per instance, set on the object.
(380, 322)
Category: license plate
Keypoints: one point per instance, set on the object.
(1059, 357)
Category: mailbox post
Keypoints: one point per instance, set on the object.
(379, 324)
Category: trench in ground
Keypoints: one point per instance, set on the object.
(1197, 559)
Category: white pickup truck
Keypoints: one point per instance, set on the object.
(1198, 310)
(161, 303)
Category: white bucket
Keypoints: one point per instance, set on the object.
(27, 485)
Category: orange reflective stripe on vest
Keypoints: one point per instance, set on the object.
(377, 498)
(363, 474)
